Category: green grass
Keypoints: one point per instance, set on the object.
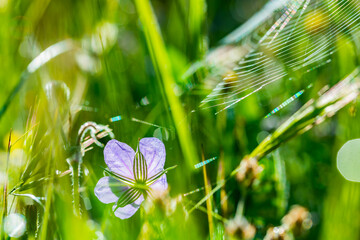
(66, 63)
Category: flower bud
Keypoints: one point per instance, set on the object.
(160, 202)
(276, 233)
(297, 220)
(240, 228)
(249, 170)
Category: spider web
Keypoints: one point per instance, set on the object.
(302, 39)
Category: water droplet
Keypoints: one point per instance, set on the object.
(15, 225)
(348, 162)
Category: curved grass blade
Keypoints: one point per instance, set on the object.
(163, 67)
(34, 198)
(43, 58)
(312, 113)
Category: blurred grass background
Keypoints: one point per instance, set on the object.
(128, 58)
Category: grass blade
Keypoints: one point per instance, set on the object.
(209, 200)
(4, 208)
(312, 113)
(162, 64)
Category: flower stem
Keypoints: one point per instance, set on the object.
(209, 200)
(164, 71)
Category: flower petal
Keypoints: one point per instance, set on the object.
(160, 184)
(119, 158)
(128, 210)
(108, 190)
(154, 152)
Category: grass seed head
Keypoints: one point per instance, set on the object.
(240, 228)
(277, 233)
(297, 220)
(249, 170)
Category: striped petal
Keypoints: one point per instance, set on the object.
(140, 167)
(128, 197)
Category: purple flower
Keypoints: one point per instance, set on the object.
(132, 175)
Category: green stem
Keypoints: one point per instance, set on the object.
(4, 210)
(76, 173)
(49, 194)
(162, 64)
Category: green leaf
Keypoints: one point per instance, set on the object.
(158, 175)
(129, 182)
(162, 64)
(25, 186)
(34, 198)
